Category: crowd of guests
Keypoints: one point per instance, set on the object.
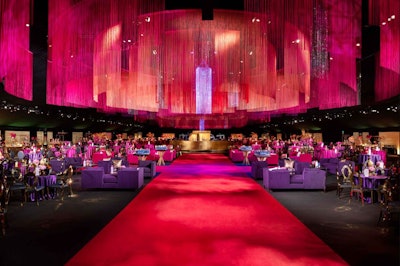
(39, 155)
(34, 159)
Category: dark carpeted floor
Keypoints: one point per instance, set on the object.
(51, 233)
(348, 228)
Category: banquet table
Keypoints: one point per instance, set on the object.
(304, 157)
(57, 165)
(116, 149)
(71, 152)
(142, 154)
(246, 158)
(382, 154)
(90, 149)
(99, 156)
(262, 155)
(46, 181)
(362, 158)
(256, 147)
(132, 158)
(273, 159)
(372, 183)
(161, 158)
(246, 150)
(328, 154)
(161, 149)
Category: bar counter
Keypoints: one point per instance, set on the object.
(215, 146)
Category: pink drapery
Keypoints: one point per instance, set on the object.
(339, 86)
(131, 56)
(386, 15)
(16, 61)
(87, 64)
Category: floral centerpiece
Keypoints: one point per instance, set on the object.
(306, 149)
(369, 168)
(245, 148)
(315, 164)
(262, 153)
(380, 167)
(160, 147)
(142, 152)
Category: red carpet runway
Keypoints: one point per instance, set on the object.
(204, 210)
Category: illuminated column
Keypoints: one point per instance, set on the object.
(203, 89)
(201, 124)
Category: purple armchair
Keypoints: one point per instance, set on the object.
(149, 168)
(257, 169)
(125, 178)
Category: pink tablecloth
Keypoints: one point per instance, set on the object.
(71, 152)
(305, 157)
(382, 154)
(99, 156)
(328, 154)
(132, 159)
(273, 159)
(236, 155)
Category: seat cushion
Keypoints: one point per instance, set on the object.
(108, 178)
(297, 179)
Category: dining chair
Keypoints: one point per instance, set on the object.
(356, 187)
(27, 185)
(16, 184)
(344, 179)
(33, 188)
(61, 183)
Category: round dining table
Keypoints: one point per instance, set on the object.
(362, 158)
(372, 183)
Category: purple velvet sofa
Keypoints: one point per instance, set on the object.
(257, 167)
(282, 178)
(125, 178)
